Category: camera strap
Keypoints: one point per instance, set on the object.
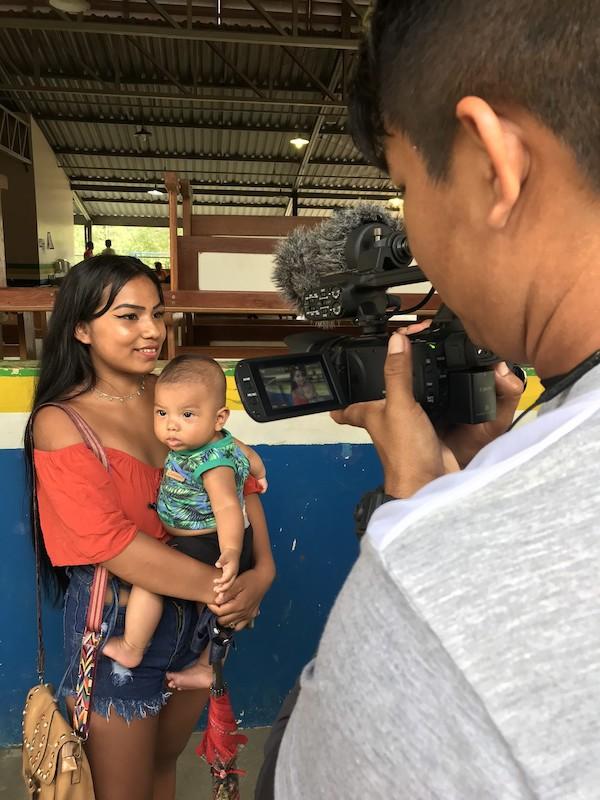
(556, 386)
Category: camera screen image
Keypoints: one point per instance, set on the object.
(295, 384)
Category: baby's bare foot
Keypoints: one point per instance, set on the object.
(197, 676)
(126, 654)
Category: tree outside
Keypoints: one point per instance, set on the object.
(147, 244)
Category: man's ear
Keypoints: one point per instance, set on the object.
(222, 417)
(82, 332)
(506, 149)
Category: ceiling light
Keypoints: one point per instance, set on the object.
(395, 203)
(299, 142)
(70, 6)
(156, 192)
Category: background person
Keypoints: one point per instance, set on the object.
(108, 248)
(104, 337)
(161, 273)
(89, 251)
(460, 659)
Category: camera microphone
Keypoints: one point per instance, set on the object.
(308, 254)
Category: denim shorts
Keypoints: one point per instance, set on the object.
(131, 693)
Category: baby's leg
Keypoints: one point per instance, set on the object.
(144, 610)
(198, 675)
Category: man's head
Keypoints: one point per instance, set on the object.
(189, 402)
(486, 112)
(108, 243)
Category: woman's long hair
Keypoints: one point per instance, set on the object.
(66, 368)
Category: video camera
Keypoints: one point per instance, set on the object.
(453, 378)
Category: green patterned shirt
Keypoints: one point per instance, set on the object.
(183, 501)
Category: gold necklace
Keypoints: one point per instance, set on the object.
(125, 397)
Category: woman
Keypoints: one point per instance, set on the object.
(303, 391)
(104, 338)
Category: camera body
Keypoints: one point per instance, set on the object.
(453, 379)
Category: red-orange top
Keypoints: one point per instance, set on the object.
(89, 515)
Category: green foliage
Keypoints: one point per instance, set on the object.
(148, 244)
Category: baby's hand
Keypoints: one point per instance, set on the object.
(229, 562)
(263, 483)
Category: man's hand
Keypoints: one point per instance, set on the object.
(411, 451)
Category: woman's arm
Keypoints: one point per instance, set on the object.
(241, 603)
(158, 568)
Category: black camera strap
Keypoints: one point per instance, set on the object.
(555, 386)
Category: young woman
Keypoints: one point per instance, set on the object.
(104, 338)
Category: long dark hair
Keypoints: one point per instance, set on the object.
(66, 368)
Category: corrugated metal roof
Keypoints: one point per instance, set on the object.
(209, 107)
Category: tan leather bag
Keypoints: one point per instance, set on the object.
(55, 766)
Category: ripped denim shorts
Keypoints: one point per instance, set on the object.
(131, 693)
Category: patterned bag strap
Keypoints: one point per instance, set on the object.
(92, 635)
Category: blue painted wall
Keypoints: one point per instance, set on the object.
(312, 493)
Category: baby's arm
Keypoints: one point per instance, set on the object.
(222, 493)
(257, 467)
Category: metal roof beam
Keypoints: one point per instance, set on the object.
(283, 192)
(71, 151)
(15, 136)
(326, 130)
(85, 92)
(115, 184)
(220, 54)
(219, 34)
(233, 157)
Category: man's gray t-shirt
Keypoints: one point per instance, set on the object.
(461, 660)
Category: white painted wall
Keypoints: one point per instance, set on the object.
(235, 272)
(54, 201)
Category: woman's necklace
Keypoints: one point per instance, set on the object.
(124, 397)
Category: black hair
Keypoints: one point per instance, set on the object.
(301, 368)
(419, 58)
(89, 245)
(191, 369)
(66, 368)
(108, 242)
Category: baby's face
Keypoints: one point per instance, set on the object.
(186, 415)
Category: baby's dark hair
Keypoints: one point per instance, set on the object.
(196, 369)
(419, 58)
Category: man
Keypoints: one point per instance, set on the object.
(461, 659)
(108, 249)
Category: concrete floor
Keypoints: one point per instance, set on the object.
(193, 775)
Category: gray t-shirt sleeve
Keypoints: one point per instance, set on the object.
(384, 711)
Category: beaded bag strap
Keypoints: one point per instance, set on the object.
(92, 636)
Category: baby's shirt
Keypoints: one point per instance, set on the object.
(183, 501)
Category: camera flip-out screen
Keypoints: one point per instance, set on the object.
(272, 387)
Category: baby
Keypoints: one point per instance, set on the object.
(201, 497)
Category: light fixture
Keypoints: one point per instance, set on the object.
(156, 192)
(143, 135)
(70, 6)
(299, 142)
(395, 203)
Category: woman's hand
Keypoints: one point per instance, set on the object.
(240, 604)
(412, 452)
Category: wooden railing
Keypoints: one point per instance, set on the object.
(194, 320)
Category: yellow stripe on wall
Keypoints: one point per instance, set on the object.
(16, 393)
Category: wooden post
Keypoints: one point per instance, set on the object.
(172, 185)
(187, 193)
